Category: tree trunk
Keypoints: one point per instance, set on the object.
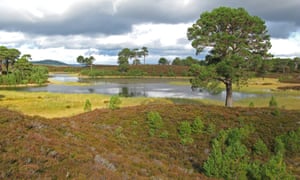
(0, 67)
(228, 101)
(7, 64)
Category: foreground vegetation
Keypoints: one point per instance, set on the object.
(150, 141)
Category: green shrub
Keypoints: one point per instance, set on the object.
(211, 128)
(155, 122)
(164, 134)
(291, 141)
(136, 72)
(171, 73)
(276, 112)
(279, 146)
(260, 148)
(228, 158)
(197, 126)
(87, 105)
(273, 102)
(254, 170)
(96, 72)
(251, 104)
(39, 75)
(185, 132)
(114, 102)
(275, 168)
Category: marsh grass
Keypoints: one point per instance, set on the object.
(266, 86)
(284, 102)
(180, 83)
(52, 105)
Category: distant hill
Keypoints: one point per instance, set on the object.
(50, 62)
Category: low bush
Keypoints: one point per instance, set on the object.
(185, 132)
(155, 122)
(114, 102)
(290, 141)
(230, 158)
(87, 106)
(260, 148)
(273, 102)
(197, 126)
(211, 128)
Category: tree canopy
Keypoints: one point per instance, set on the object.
(123, 57)
(144, 52)
(88, 61)
(22, 71)
(8, 56)
(234, 38)
(163, 61)
(126, 54)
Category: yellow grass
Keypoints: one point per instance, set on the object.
(287, 99)
(285, 102)
(180, 83)
(62, 105)
(267, 85)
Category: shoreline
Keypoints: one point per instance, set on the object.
(120, 76)
(22, 85)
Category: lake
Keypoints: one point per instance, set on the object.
(134, 87)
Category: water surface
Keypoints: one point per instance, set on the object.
(156, 87)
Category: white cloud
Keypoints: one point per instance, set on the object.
(289, 47)
(151, 35)
(168, 40)
(39, 8)
(163, 39)
(11, 37)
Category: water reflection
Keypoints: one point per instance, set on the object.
(125, 92)
(63, 78)
(131, 88)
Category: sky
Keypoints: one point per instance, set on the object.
(64, 29)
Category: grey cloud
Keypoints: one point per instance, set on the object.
(282, 17)
(282, 29)
(91, 18)
(101, 17)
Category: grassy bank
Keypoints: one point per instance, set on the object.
(62, 105)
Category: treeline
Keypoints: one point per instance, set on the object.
(283, 65)
(188, 61)
(18, 70)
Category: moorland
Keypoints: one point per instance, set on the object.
(90, 136)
